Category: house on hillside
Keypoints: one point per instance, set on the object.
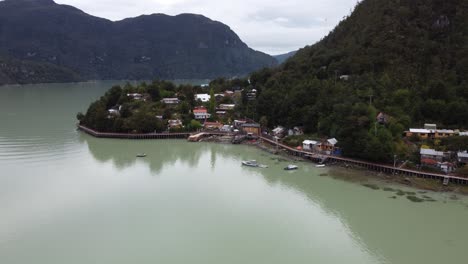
(212, 125)
(174, 124)
(135, 96)
(239, 123)
(429, 131)
(226, 107)
(114, 111)
(328, 146)
(295, 131)
(251, 128)
(228, 93)
(227, 128)
(219, 97)
(462, 157)
(431, 156)
(344, 77)
(171, 101)
(252, 94)
(309, 145)
(279, 131)
(221, 113)
(202, 97)
(382, 118)
(437, 159)
(201, 113)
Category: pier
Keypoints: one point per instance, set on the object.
(316, 157)
(183, 135)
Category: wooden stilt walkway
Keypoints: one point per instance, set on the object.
(371, 166)
(184, 135)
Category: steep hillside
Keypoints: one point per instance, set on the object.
(406, 58)
(146, 47)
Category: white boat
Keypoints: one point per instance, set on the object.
(141, 155)
(253, 163)
(250, 163)
(320, 165)
(291, 167)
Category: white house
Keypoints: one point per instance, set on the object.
(203, 97)
(309, 144)
(135, 96)
(171, 101)
(201, 114)
(226, 106)
(462, 157)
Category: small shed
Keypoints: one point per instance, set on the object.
(252, 128)
(309, 144)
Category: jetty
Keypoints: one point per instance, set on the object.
(168, 135)
(320, 158)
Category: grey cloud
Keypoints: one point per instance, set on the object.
(288, 19)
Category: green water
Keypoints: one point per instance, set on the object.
(69, 198)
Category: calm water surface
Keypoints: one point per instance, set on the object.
(66, 197)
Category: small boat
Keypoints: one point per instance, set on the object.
(320, 165)
(291, 167)
(141, 155)
(250, 163)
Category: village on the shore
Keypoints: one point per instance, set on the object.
(174, 109)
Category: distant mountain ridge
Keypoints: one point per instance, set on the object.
(144, 47)
(280, 58)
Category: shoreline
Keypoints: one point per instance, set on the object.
(368, 177)
(404, 180)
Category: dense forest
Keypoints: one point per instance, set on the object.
(140, 108)
(407, 59)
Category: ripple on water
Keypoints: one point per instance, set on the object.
(38, 149)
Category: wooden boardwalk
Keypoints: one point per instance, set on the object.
(184, 135)
(369, 165)
(300, 153)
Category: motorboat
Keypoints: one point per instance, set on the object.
(291, 167)
(320, 165)
(250, 163)
(141, 155)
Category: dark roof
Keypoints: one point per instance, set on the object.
(250, 125)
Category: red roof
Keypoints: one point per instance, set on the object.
(429, 161)
(200, 111)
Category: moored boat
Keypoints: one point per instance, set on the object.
(291, 167)
(141, 155)
(320, 165)
(250, 163)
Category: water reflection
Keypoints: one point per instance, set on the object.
(164, 154)
(122, 153)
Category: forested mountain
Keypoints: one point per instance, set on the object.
(283, 57)
(145, 47)
(405, 58)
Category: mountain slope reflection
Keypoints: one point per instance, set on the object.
(160, 153)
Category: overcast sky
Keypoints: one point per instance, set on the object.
(271, 26)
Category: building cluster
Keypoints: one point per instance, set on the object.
(204, 98)
(327, 147)
(430, 131)
(446, 161)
